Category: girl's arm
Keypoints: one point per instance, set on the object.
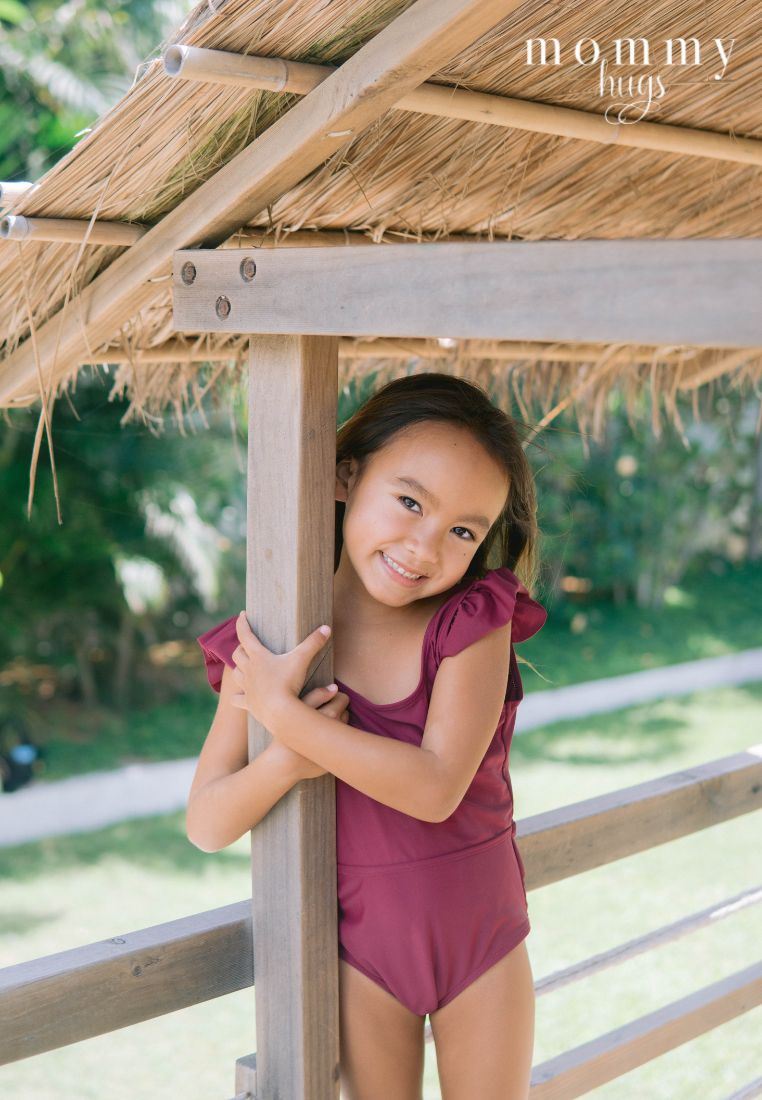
(427, 782)
(400, 775)
(229, 795)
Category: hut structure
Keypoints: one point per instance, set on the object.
(306, 190)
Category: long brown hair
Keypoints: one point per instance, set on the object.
(512, 540)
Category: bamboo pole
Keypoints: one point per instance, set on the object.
(507, 351)
(248, 237)
(15, 227)
(415, 44)
(281, 75)
(13, 190)
(176, 351)
(274, 74)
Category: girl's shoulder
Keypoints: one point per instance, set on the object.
(475, 608)
(481, 605)
(217, 645)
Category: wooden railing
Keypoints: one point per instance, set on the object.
(59, 999)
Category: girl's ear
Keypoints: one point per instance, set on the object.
(344, 471)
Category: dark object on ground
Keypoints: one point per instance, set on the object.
(20, 757)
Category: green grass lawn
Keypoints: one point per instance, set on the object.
(60, 893)
(709, 615)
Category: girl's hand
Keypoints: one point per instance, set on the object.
(265, 679)
(331, 703)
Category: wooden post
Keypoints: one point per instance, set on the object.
(289, 592)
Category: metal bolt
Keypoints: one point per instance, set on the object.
(248, 269)
(188, 272)
(222, 307)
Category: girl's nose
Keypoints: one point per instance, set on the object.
(422, 548)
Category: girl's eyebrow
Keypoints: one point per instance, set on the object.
(478, 521)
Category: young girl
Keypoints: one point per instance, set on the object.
(435, 509)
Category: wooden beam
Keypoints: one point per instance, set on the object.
(748, 1092)
(698, 292)
(77, 994)
(575, 838)
(289, 593)
(281, 75)
(415, 44)
(649, 941)
(608, 1057)
(49, 1002)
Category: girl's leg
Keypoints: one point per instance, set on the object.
(484, 1037)
(382, 1048)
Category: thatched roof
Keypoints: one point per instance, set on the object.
(406, 175)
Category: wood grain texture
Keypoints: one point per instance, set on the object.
(608, 1057)
(596, 831)
(700, 292)
(289, 593)
(400, 57)
(73, 995)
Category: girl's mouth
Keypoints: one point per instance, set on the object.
(393, 568)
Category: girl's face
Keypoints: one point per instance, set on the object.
(424, 503)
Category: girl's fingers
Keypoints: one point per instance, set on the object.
(336, 707)
(331, 703)
(315, 641)
(318, 695)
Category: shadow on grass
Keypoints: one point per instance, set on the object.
(154, 843)
(634, 735)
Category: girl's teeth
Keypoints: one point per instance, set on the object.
(410, 576)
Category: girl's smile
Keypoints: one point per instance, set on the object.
(399, 573)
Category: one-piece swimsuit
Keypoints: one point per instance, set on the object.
(426, 907)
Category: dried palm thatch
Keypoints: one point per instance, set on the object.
(406, 177)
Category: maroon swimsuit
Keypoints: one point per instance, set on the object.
(426, 907)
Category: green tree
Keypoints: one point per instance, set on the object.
(634, 513)
(46, 49)
(152, 536)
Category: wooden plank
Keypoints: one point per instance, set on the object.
(704, 293)
(72, 995)
(607, 1057)
(657, 937)
(749, 1091)
(289, 593)
(400, 57)
(246, 1076)
(571, 839)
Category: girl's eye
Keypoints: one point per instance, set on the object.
(471, 535)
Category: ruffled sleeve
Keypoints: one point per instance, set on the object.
(483, 606)
(218, 645)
